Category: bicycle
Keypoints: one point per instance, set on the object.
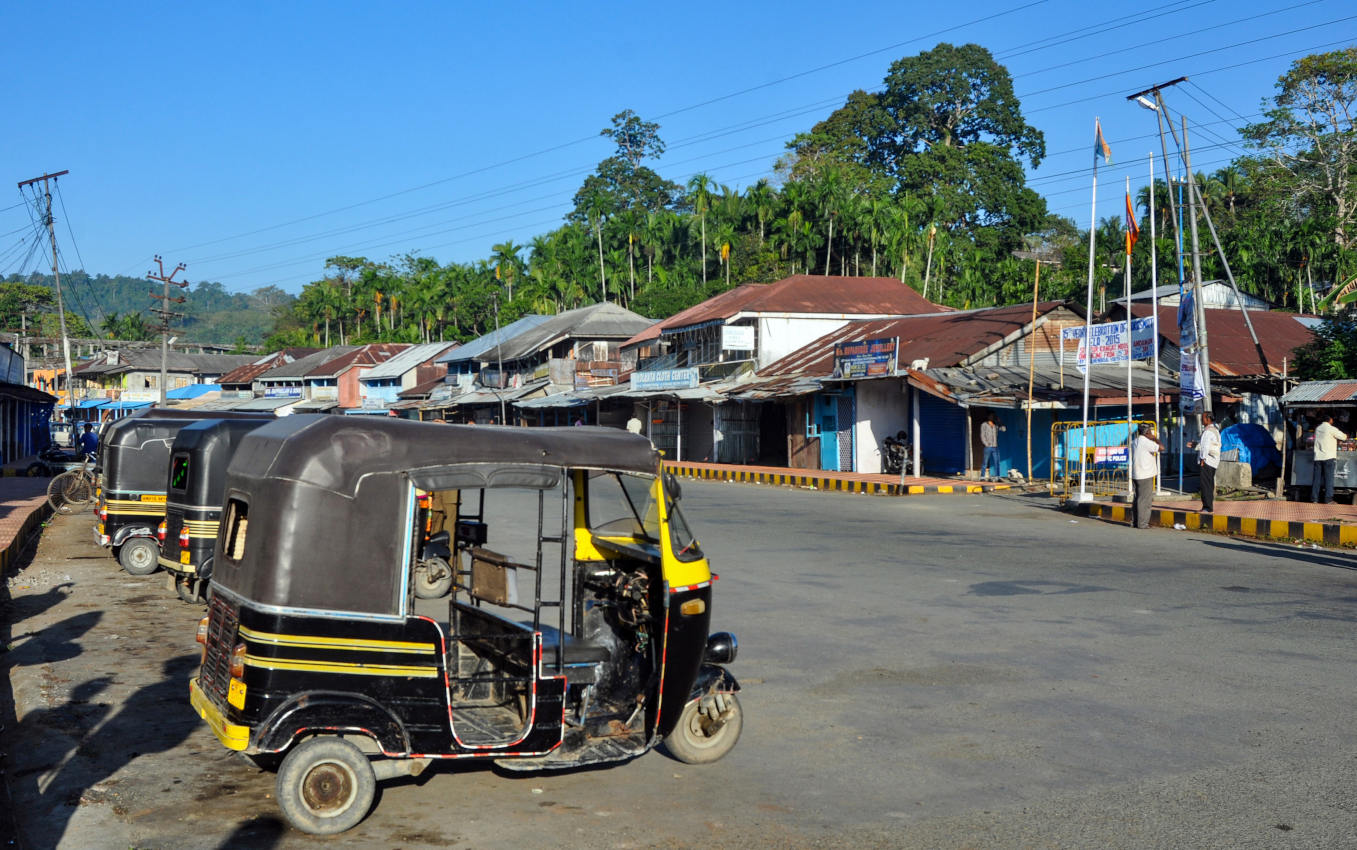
(72, 489)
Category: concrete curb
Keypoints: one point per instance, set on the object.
(25, 533)
(1328, 533)
(820, 482)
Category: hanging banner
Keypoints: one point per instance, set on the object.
(1187, 321)
(1191, 390)
(1109, 342)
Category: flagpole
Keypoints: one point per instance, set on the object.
(1088, 311)
(1130, 346)
(1154, 301)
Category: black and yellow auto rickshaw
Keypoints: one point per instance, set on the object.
(580, 638)
(133, 456)
(196, 480)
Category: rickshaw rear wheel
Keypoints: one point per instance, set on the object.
(433, 578)
(707, 729)
(139, 556)
(325, 786)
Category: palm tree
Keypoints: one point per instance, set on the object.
(505, 255)
(830, 196)
(699, 192)
(596, 206)
(764, 201)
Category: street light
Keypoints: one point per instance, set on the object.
(1147, 103)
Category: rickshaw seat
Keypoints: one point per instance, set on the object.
(576, 650)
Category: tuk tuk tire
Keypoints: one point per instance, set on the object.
(691, 743)
(325, 786)
(426, 588)
(139, 556)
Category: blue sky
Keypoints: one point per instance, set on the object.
(251, 140)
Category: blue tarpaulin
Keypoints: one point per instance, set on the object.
(1255, 444)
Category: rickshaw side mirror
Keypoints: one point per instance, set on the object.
(671, 485)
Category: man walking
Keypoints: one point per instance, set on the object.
(1326, 458)
(1145, 466)
(1208, 458)
(989, 438)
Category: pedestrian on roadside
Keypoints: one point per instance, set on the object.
(989, 438)
(634, 425)
(1326, 458)
(1145, 466)
(89, 443)
(1208, 459)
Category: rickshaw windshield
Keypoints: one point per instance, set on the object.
(686, 547)
(622, 504)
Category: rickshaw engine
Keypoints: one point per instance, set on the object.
(627, 594)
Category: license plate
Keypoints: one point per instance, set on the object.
(151, 497)
(236, 694)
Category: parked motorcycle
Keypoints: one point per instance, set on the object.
(895, 454)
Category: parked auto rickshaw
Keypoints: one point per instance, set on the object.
(196, 480)
(131, 466)
(582, 638)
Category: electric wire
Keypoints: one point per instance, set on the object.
(695, 139)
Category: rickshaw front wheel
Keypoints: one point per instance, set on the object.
(707, 729)
(433, 578)
(325, 786)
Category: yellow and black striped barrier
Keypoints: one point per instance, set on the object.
(1327, 533)
(824, 482)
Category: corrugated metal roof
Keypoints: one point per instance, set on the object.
(475, 348)
(299, 367)
(813, 295)
(947, 339)
(408, 359)
(603, 321)
(374, 353)
(1232, 351)
(1321, 392)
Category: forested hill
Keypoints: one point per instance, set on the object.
(106, 304)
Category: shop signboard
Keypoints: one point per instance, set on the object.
(665, 379)
(1109, 342)
(737, 338)
(870, 358)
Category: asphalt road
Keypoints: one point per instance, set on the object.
(929, 671)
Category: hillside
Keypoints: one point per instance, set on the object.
(211, 313)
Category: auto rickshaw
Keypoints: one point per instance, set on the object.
(581, 638)
(131, 466)
(196, 480)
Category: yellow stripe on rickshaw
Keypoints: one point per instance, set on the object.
(341, 667)
(318, 642)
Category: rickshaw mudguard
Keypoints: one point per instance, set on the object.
(713, 679)
(127, 532)
(331, 711)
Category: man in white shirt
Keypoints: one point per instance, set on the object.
(1208, 459)
(1326, 458)
(1144, 467)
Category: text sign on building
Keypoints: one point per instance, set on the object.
(1109, 342)
(282, 392)
(865, 359)
(737, 338)
(665, 379)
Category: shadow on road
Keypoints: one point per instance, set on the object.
(79, 745)
(1313, 557)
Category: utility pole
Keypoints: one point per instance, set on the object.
(166, 314)
(1204, 365)
(56, 276)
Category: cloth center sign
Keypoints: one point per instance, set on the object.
(1109, 343)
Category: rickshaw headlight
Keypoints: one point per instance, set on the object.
(722, 648)
(202, 632)
(238, 662)
(693, 607)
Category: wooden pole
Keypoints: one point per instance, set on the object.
(1032, 365)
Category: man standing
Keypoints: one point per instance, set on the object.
(1208, 458)
(1145, 466)
(989, 438)
(1326, 458)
